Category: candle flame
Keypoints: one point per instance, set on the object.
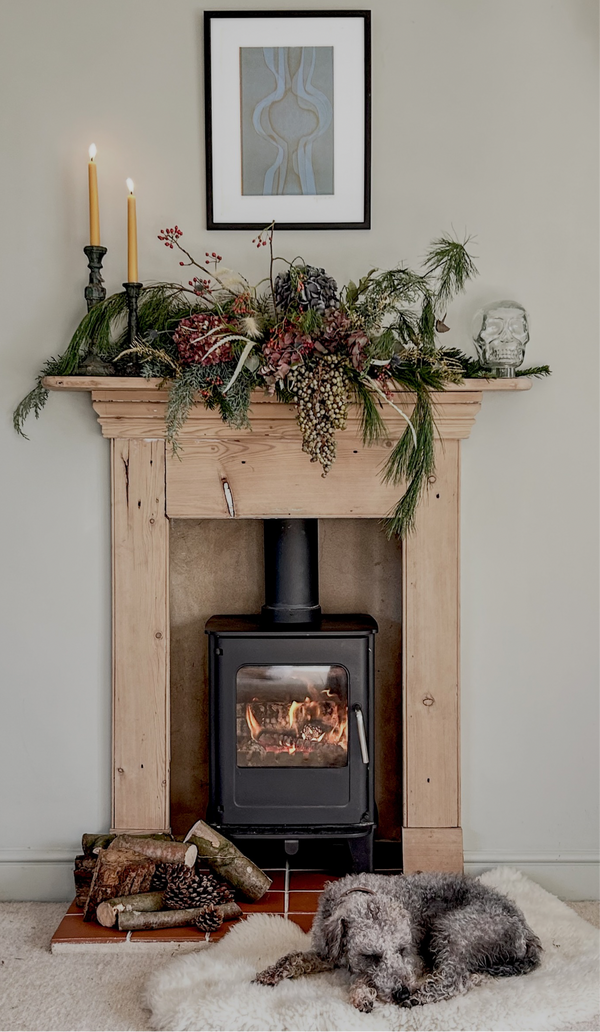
(129, 185)
(92, 151)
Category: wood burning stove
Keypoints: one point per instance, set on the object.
(291, 695)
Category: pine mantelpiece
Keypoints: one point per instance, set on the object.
(228, 473)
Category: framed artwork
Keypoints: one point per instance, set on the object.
(288, 119)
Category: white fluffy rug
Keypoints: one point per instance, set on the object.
(212, 990)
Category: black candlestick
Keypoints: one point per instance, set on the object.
(94, 292)
(132, 291)
(93, 364)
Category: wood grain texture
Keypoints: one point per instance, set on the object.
(432, 849)
(140, 637)
(123, 414)
(431, 637)
(273, 477)
(140, 383)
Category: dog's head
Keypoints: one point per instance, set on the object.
(370, 934)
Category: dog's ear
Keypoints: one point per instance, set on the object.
(334, 932)
(374, 907)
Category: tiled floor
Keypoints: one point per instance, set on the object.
(294, 895)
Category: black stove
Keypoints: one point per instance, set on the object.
(291, 697)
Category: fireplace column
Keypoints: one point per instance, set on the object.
(431, 833)
(140, 549)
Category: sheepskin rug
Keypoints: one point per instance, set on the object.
(212, 990)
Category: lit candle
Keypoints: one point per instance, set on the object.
(93, 190)
(132, 261)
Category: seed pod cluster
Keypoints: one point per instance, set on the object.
(321, 397)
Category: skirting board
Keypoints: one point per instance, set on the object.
(566, 875)
(47, 875)
(38, 875)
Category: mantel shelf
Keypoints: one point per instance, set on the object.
(140, 383)
(133, 407)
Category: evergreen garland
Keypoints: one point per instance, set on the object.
(218, 339)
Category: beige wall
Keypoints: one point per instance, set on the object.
(485, 120)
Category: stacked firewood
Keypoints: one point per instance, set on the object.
(140, 882)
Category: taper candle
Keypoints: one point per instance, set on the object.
(93, 191)
(132, 258)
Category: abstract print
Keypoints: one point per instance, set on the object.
(287, 120)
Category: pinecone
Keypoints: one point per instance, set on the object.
(186, 889)
(160, 877)
(309, 287)
(209, 921)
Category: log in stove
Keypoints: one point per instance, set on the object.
(291, 697)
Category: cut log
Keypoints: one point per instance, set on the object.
(143, 902)
(131, 921)
(82, 875)
(92, 843)
(162, 852)
(119, 872)
(228, 862)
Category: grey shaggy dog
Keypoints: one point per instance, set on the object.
(412, 939)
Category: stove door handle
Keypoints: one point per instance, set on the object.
(362, 734)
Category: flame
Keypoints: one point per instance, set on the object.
(341, 731)
(307, 724)
(92, 151)
(129, 185)
(252, 723)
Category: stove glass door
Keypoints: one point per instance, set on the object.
(292, 716)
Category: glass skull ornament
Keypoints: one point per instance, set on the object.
(500, 333)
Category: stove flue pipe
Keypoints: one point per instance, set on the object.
(291, 572)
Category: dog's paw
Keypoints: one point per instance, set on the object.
(270, 976)
(363, 997)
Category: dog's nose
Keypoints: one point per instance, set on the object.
(400, 995)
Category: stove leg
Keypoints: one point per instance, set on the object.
(361, 851)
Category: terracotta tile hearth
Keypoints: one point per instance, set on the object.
(293, 895)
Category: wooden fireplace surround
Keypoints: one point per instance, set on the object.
(224, 473)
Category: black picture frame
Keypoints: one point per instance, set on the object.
(216, 198)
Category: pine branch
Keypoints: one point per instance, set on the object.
(412, 463)
(451, 263)
(372, 425)
(539, 371)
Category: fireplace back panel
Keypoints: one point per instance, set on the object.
(217, 566)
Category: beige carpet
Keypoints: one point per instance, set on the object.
(87, 992)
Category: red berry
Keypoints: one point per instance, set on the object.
(181, 263)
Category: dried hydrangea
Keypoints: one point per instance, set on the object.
(197, 334)
(285, 348)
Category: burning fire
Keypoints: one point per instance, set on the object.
(305, 725)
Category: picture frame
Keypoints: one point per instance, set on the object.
(288, 119)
